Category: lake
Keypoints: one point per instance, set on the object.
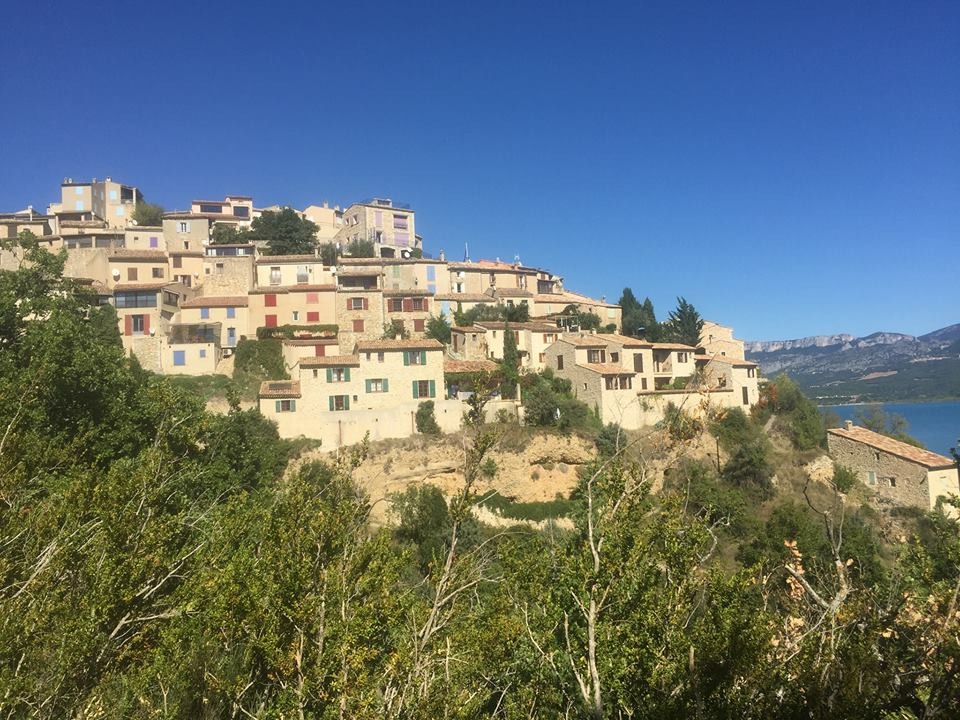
(935, 424)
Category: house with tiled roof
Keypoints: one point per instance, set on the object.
(896, 472)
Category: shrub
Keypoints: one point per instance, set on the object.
(680, 425)
(733, 429)
(489, 468)
(750, 469)
(425, 419)
(844, 478)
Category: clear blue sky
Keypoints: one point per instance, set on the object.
(791, 168)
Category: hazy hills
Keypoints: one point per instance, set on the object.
(880, 366)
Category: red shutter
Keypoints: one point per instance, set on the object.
(407, 305)
(128, 325)
(418, 325)
(270, 300)
(349, 303)
(319, 350)
(313, 317)
(270, 320)
(146, 324)
(366, 304)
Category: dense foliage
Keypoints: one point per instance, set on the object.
(160, 561)
(283, 232)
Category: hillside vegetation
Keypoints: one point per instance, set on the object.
(157, 560)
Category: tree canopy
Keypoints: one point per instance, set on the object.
(148, 214)
(684, 324)
(284, 232)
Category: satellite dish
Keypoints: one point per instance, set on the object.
(153, 331)
(333, 269)
(116, 274)
(405, 254)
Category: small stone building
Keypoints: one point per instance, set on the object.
(898, 472)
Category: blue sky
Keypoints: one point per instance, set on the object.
(791, 168)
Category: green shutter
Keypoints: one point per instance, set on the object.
(415, 396)
(331, 403)
(346, 374)
(406, 359)
(329, 375)
(433, 389)
(367, 384)
(386, 385)
(346, 402)
(278, 406)
(293, 406)
(423, 357)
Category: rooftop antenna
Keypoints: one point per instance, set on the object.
(466, 252)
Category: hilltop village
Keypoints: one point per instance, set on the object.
(354, 329)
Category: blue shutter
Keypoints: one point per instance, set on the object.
(386, 385)
(346, 374)
(293, 406)
(179, 357)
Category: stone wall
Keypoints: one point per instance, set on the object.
(897, 480)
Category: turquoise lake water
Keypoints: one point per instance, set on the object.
(935, 424)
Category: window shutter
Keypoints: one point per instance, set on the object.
(415, 386)
(146, 324)
(423, 357)
(407, 305)
(366, 303)
(278, 406)
(346, 374)
(293, 406)
(346, 402)
(330, 376)
(433, 388)
(406, 353)
(366, 384)
(386, 385)
(349, 303)
(128, 329)
(331, 401)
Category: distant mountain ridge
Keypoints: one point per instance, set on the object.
(879, 366)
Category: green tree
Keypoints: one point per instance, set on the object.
(147, 214)
(328, 253)
(395, 329)
(516, 313)
(509, 364)
(228, 235)
(632, 318)
(684, 324)
(360, 248)
(438, 328)
(425, 419)
(284, 232)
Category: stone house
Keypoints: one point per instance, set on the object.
(895, 471)
(229, 312)
(718, 339)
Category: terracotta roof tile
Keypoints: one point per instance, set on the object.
(280, 389)
(930, 460)
(359, 271)
(607, 368)
(129, 254)
(468, 366)
(407, 293)
(137, 287)
(625, 340)
(583, 340)
(281, 259)
(216, 301)
(464, 297)
(724, 360)
(330, 361)
(672, 346)
(377, 345)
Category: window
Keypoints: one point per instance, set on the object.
(643, 383)
(275, 275)
(378, 385)
(270, 320)
(157, 272)
(682, 357)
(614, 357)
(137, 325)
(270, 300)
(186, 244)
(379, 357)
(231, 336)
(751, 372)
(303, 276)
(78, 191)
(313, 298)
(414, 357)
(418, 325)
(893, 481)
(358, 326)
(295, 315)
(241, 211)
(400, 222)
(596, 356)
(183, 227)
(231, 312)
(119, 211)
(559, 362)
(78, 205)
(131, 274)
(286, 405)
(638, 362)
(424, 389)
(177, 262)
(339, 402)
(394, 305)
(746, 396)
(204, 313)
(541, 357)
(313, 317)
(338, 375)
(355, 303)
(203, 353)
(219, 268)
(154, 242)
(871, 478)
(113, 194)
(135, 299)
(493, 279)
(417, 304)
(211, 209)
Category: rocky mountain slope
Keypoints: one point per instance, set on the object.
(881, 366)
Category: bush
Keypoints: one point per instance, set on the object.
(425, 419)
(508, 507)
(489, 468)
(749, 468)
(733, 429)
(680, 425)
(844, 478)
(291, 331)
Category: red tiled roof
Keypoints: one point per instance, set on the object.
(407, 293)
(136, 287)
(358, 271)
(929, 460)
(672, 346)
(129, 254)
(626, 341)
(533, 326)
(512, 292)
(723, 359)
(583, 340)
(468, 366)
(280, 259)
(309, 288)
(216, 301)
(377, 345)
(280, 389)
(308, 342)
(607, 368)
(464, 297)
(330, 361)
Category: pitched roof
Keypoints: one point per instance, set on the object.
(724, 360)
(532, 325)
(583, 340)
(672, 346)
(625, 340)
(139, 287)
(418, 292)
(377, 345)
(359, 271)
(927, 459)
(280, 259)
(464, 297)
(310, 341)
(130, 254)
(468, 366)
(309, 288)
(280, 389)
(512, 292)
(607, 368)
(330, 361)
(216, 301)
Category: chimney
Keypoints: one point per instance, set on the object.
(442, 256)
(848, 425)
